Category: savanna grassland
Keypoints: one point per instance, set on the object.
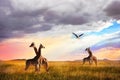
(59, 70)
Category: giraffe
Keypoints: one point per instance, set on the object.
(37, 59)
(42, 61)
(90, 58)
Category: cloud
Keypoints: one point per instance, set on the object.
(113, 9)
(19, 18)
(112, 35)
(108, 42)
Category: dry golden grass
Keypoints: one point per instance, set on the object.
(106, 70)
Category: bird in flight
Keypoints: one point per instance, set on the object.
(77, 36)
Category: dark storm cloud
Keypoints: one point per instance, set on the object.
(53, 17)
(18, 18)
(17, 23)
(74, 20)
(5, 3)
(31, 13)
(4, 7)
(42, 27)
(45, 27)
(113, 9)
(13, 21)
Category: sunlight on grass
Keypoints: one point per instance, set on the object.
(106, 70)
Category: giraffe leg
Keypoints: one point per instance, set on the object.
(27, 64)
(89, 62)
(36, 69)
(84, 61)
(95, 60)
(46, 64)
(36, 65)
(39, 67)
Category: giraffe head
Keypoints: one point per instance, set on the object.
(87, 49)
(41, 46)
(32, 44)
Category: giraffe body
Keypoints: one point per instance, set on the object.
(90, 58)
(38, 60)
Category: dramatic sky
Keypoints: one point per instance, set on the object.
(51, 22)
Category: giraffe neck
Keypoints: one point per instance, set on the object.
(90, 53)
(39, 53)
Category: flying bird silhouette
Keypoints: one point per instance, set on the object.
(77, 36)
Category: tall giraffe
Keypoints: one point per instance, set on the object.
(42, 60)
(38, 60)
(34, 61)
(90, 58)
